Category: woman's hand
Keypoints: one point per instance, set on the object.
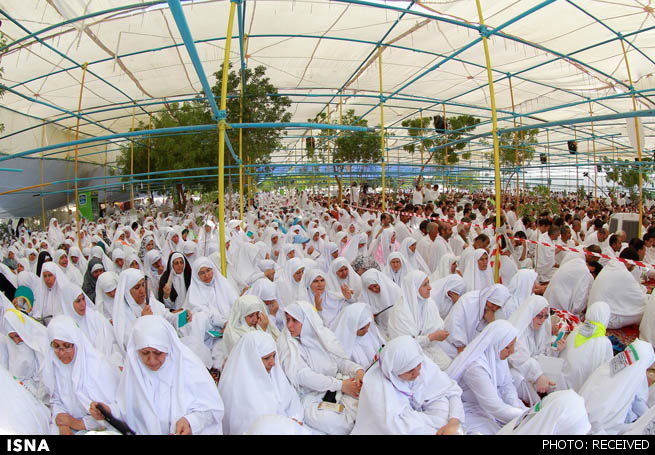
(167, 290)
(347, 293)
(64, 420)
(438, 335)
(544, 384)
(64, 430)
(182, 426)
(360, 375)
(263, 321)
(450, 428)
(95, 413)
(351, 387)
(146, 310)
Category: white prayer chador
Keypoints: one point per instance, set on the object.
(382, 302)
(312, 362)
(465, 320)
(94, 325)
(49, 301)
(584, 353)
(559, 413)
(390, 405)
(20, 412)
(361, 349)
(475, 278)
(569, 287)
(445, 267)
(521, 288)
(151, 402)
(441, 287)
(214, 298)
(418, 317)
(647, 324)
(530, 344)
(412, 258)
(107, 282)
(396, 277)
(334, 283)
(489, 395)
(288, 289)
(625, 297)
(249, 391)
(614, 399)
(331, 304)
(88, 378)
(237, 325)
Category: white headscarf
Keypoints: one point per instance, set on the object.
(609, 397)
(361, 349)
(440, 289)
(396, 277)
(353, 281)
(237, 326)
(107, 282)
(390, 405)
(20, 411)
(559, 413)
(288, 289)
(412, 259)
(445, 266)
(88, 378)
(484, 350)
(591, 352)
(475, 278)
(34, 336)
(49, 301)
(521, 288)
(249, 391)
(316, 340)
(151, 402)
(414, 315)
(215, 298)
(536, 341)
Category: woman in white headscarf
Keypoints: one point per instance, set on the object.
(381, 294)
(358, 334)
(289, 282)
(407, 393)
(133, 300)
(253, 384)
(417, 315)
(396, 268)
(414, 260)
(74, 275)
(616, 393)
(211, 297)
(248, 314)
(477, 273)
(387, 245)
(77, 374)
(165, 388)
(587, 347)
(533, 372)
(93, 324)
(560, 413)
(343, 282)
(327, 304)
(55, 234)
(49, 297)
(446, 292)
(154, 267)
(105, 293)
(522, 287)
(23, 351)
(481, 370)
(356, 247)
(447, 266)
(20, 412)
(318, 367)
(328, 255)
(474, 310)
(265, 290)
(174, 282)
(98, 252)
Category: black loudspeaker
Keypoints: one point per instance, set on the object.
(439, 124)
(310, 143)
(573, 147)
(543, 158)
(599, 168)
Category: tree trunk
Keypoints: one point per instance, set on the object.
(181, 197)
(338, 179)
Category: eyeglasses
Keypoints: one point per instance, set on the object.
(63, 348)
(541, 316)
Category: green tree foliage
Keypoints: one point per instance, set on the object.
(200, 149)
(516, 148)
(626, 172)
(344, 146)
(421, 129)
(3, 43)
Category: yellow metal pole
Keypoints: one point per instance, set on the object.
(638, 136)
(149, 127)
(25, 188)
(420, 113)
(384, 198)
(494, 131)
(593, 143)
(77, 136)
(132, 161)
(516, 139)
(241, 148)
(42, 199)
(221, 142)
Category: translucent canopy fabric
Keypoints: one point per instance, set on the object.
(564, 60)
